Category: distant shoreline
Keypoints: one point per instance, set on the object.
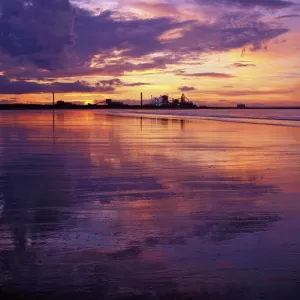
(144, 107)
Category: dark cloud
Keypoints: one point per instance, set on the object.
(136, 38)
(43, 40)
(242, 65)
(137, 84)
(118, 82)
(36, 31)
(26, 87)
(186, 88)
(288, 16)
(210, 75)
(114, 69)
(270, 4)
(110, 82)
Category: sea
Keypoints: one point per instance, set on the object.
(150, 204)
(289, 117)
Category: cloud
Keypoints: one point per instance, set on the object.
(288, 16)
(28, 87)
(209, 75)
(232, 31)
(134, 38)
(270, 4)
(25, 87)
(117, 68)
(238, 93)
(110, 82)
(118, 82)
(47, 40)
(242, 65)
(7, 101)
(137, 84)
(162, 8)
(38, 32)
(186, 88)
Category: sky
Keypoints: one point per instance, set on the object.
(218, 52)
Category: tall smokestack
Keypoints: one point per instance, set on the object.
(141, 99)
(53, 97)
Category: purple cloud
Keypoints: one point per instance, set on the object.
(136, 38)
(28, 87)
(117, 68)
(7, 101)
(118, 82)
(209, 75)
(242, 65)
(37, 32)
(46, 40)
(137, 84)
(270, 4)
(232, 31)
(239, 93)
(24, 87)
(288, 16)
(186, 88)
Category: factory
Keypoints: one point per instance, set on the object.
(164, 101)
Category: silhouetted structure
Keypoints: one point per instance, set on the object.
(241, 106)
(175, 103)
(156, 103)
(63, 103)
(165, 100)
(111, 103)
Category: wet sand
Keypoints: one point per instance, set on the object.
(112, 207)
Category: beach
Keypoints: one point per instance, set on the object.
(157, 205)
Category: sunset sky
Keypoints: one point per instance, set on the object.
(219, 52)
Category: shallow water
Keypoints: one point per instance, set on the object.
(114, 207)
(278, 117)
